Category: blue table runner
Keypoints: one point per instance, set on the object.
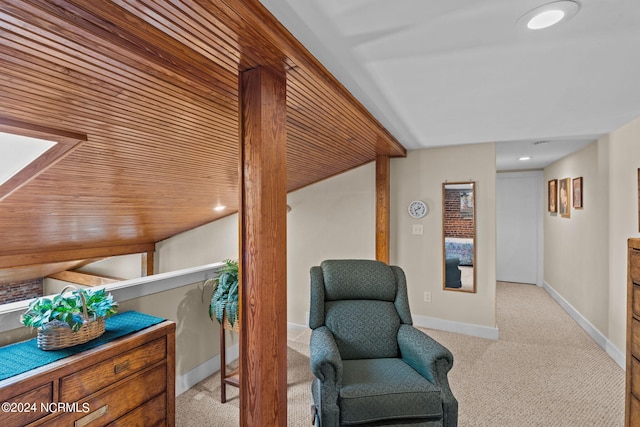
(23, 356)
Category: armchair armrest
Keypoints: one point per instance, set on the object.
(326, 362)
(424, 354)
(326, 365)
(433, 361)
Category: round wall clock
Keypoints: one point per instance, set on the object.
(418, 209)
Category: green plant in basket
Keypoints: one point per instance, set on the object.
(66, 308)
(224, 298)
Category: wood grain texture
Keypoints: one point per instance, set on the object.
(84, 279)
(383, 206)
(147, 263)
(632, 383)
(152, 86)
(263, 231)
(78, 378)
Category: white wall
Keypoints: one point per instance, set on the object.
(520, 206)
(420, 176)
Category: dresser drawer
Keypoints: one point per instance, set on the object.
(151, 414)
(636, 300)
(89, 380)
(26, 407)
(634, 265)
(634, 416)
(635, 338)
(118, 400)
(635, 377)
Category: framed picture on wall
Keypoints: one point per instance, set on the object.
(577, 193)
(564, 197)
(552, 196)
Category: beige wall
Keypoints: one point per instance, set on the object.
(197, 336)
(332, 219)
(212, 242)
(121, 267)
(335, 218)
(576, 248)
(586, 255)
(624, 161)
(420, 176)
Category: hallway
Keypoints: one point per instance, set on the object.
(543, 371)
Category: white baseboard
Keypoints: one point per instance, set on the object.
(204, 370)
(296, 326)
(588, 327)
(211, 366)
(457, 327)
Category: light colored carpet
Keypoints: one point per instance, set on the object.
(543, 371)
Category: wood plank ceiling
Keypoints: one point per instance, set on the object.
(153, 88)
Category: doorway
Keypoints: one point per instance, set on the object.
(519, 215)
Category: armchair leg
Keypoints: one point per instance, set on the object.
(314, 414)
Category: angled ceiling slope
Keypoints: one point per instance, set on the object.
(154, 87)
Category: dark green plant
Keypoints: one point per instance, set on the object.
(67, 308)
(225, 293)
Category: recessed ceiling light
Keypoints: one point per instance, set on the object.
(219, 208)
(549, 14)
(524, 158)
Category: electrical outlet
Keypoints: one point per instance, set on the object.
(417, 229)
(427, 297)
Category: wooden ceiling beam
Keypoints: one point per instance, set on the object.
(153, 89)
(264, 29)
(84, 278)
(65, 141)
(19, 260)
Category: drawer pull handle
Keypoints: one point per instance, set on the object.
(91, 417)
(121, 367)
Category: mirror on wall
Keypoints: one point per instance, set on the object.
(459, 236)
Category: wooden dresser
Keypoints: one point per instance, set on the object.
(632, 397)
(126, 382)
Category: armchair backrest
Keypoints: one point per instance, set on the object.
(363, 303)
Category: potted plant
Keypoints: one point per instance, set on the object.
(69, 318)
(224, 299)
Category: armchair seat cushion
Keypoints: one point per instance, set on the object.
(386, 389)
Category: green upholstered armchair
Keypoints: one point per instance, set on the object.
(371, 366)
(452, 273)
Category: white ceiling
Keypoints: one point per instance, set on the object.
(449, 72)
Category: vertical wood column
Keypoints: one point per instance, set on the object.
(147, 263)
(263, 240)
(383, 204)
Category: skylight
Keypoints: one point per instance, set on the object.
(17, 152)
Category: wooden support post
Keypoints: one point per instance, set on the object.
(263, 240)
(383, 195)
(147, 264)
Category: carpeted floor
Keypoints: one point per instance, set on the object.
(543, 371)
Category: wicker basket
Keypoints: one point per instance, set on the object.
(57, 334)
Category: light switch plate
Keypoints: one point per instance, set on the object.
(418, 229)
